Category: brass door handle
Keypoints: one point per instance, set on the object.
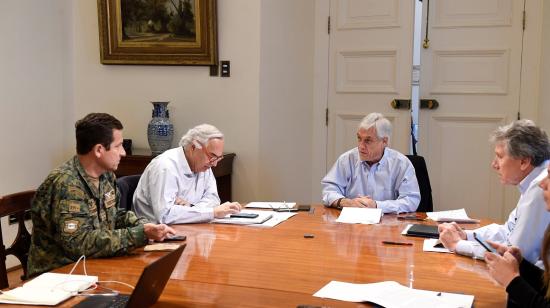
(406, 104)
(429, 104)
(401, 104)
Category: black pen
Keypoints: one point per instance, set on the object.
(410, 218)
(397, 243)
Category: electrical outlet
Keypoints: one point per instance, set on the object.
(225, 69)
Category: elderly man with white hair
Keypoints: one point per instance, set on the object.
(178, 186)
(372, 175)
(521, 158)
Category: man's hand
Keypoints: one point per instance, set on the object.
(502, 249)
(502, 268)
(366, 201)
(227, 208)
(453, 226)
(157, 232)
(450, 234)
(358, 202)
(180, 201)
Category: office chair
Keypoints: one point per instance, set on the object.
(127, 185)
(419, 164)
(15, 204)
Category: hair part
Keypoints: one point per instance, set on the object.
(200, 135)
(523, 139)
(379, 122)
(95, 128)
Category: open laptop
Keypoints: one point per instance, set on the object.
(150, 285)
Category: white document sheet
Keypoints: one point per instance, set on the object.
(391, 294)
(358, 215)
(263, 216)
(459, 216)
(430, 243)
(48, 289)
(278, 217)
(270, 205)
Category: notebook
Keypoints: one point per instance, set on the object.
(47, 289)
(428, 231)
(150, 285)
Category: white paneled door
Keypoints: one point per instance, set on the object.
(472, 68)
(370, 62)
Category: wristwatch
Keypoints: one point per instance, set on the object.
(338, 206)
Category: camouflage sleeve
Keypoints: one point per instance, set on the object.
(129, 218)
(79, 230)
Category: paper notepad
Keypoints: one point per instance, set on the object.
(48, 289)
(161, 247)
(459, 216)
(359, 215)
(263, 216)
(434, 245)
(391, 294)
(270, 205)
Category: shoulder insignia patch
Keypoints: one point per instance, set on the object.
(71, 226)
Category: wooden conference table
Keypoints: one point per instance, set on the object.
(243, 266)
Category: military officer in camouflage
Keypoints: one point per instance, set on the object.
(75, 210)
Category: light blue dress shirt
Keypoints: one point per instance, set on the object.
(167, 177)
(391, 182)
(525, 226)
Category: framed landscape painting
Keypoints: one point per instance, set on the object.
(158, 32)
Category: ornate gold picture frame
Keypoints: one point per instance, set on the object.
(158, 32)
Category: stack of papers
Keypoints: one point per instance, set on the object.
(271, 205)
(275, 220)
(263, 216)
(359, 215)
(391, 294)
(434, 245)
(459, 216)
(48, 289)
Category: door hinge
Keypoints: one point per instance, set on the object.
(519, 116)
(328, 25)
(524, 18)
(326, 117)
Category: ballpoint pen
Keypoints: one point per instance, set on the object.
(397, 243)
(410, 217)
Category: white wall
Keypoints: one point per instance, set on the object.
(286, 96)
(231, 104)
(271, 80)
(34, 101)
(544, 104)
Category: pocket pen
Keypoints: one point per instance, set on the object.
(397, 243)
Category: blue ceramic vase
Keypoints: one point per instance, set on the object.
(160, 131)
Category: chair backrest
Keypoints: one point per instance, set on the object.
(426, 203)
(127, 185)
(15, 204)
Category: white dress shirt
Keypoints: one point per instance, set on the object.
(391, 182)
(167, 177)
(525, 226)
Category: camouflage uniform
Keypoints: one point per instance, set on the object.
(72, 217)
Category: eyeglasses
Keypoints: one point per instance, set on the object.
(369, 141)
(212, 158)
